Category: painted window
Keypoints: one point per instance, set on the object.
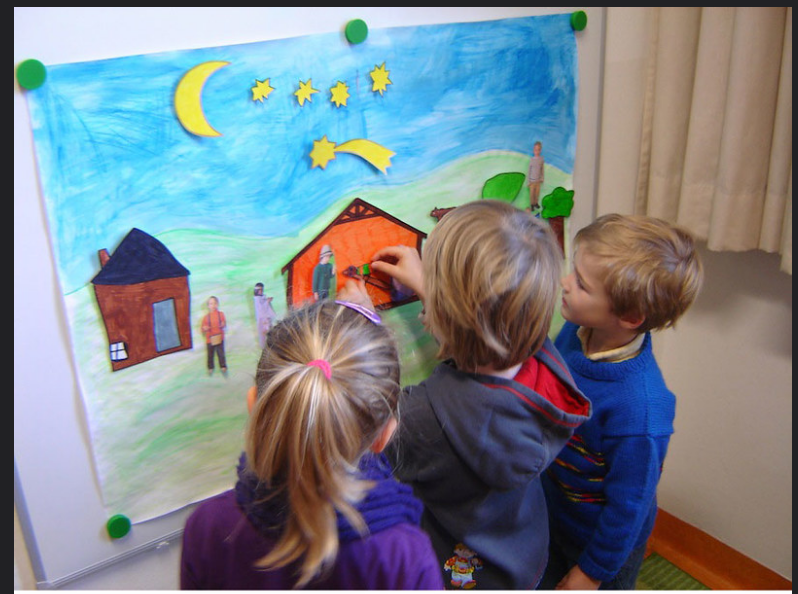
(118, 351)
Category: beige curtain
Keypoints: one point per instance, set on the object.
(717, 131)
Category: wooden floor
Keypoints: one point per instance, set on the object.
(714, 564)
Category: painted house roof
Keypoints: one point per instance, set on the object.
(139, 258)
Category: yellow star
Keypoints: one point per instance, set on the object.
(261, 90)
(323, 152)
(305, 91)
(380, 77)
(339, 94)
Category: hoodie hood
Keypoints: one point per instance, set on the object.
(504, 431)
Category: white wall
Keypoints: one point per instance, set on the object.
(729, 361)
(729, 469)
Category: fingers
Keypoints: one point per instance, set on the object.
(400, 256)
(354, 291)
(353, 287)
(389, 258)
(402, 263)
(382, 266)
(393, 253)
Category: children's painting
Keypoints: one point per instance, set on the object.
(194, 196)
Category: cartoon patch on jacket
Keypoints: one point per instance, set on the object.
(462, 565)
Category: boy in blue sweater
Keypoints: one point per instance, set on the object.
(631, 275)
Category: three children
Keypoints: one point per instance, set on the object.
(316, 504)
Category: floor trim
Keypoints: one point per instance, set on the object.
(714, 564)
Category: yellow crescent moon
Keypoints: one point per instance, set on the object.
(188, 98)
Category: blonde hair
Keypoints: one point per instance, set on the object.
(651, 267)
(307, 432)
(491, 279)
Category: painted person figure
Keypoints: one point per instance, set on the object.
(534, 178)
(323, 274)
(264, 313)
(213, 325)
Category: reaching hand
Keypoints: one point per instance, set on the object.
(402, 263)
(355, 291)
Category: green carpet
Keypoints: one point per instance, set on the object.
(657, 573)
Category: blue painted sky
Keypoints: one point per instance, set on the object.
(112, 154)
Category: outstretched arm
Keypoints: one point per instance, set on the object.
(402, 263)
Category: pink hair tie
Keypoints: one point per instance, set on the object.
(323, 365)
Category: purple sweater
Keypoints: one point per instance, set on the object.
(222, 542)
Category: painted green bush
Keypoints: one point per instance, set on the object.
(557, 204)
(504, 186)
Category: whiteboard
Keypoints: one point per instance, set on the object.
(55, 487)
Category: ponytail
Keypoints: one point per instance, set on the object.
(328, 381)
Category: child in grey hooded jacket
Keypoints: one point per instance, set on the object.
(477, 434)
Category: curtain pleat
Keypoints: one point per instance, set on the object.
(716, 151)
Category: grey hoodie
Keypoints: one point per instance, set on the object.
(473, 447)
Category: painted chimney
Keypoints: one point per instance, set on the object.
(104, 257)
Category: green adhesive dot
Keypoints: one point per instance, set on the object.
(356, 31)
(31, 74)
(117, 526)
(578, 20)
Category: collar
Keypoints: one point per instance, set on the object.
(623, 353)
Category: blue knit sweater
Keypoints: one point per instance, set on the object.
(601, 489)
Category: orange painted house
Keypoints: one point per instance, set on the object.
(354, 236)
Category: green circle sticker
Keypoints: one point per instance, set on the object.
(578, 20)
(356, 31)
(118, 526)
(31, 74)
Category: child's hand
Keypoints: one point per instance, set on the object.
(576, 579)
(355, 291)
(402, 263)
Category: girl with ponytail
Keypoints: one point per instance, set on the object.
(315, 505)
